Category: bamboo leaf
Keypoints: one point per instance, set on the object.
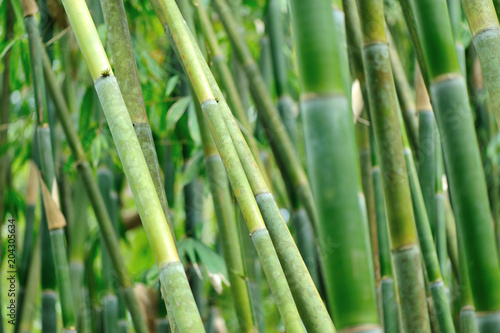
(176, 111)
(171, 84)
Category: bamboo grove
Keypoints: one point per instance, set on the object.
(250, 166)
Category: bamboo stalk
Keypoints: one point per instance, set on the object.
(285, 103)
(383, 106)
(405, 96)
(427, 138)
(56, 223)
(172, 276)
(31, 289)
(281, 144)
(437, 297)
(77, 236)
(310, 305)
(388, 286)
(484, 26)
(195, 67)
(46, 161)
(92, 189)
(226, 221)
(331, 145)
(109, 301)
(127, 76)
(451, 106)
(226, 80)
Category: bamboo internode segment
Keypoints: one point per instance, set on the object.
(480, 15)
(129, 150)
(30, 8)
(88, 39)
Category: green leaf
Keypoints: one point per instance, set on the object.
(192, 168)
(171, 84)
(176, 111)
(200, 255)
(5, 48)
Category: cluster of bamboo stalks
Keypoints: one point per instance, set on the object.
(394, 225)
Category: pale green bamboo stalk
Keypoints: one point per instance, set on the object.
(281, 144)
(179, 300)
(226, 80)
(310, 305)
(90, 185)
(226, 221)
(484, 26)
(127, 75)
(195, 66)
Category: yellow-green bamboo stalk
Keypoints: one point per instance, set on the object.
(388, 139)
(195, 67)
(485, 29)
(91, 187)
(179, 298)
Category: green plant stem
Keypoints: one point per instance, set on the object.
(405, 97)
(226, 221)
(195, 67)
(226, 80)
(461, 154)
(277, 135)
(331, 145)
(96, 199)
(401, 222)
(31, 289)
(63, 279)
(127, 76)
(484, 26)
(312, 310)
(179, 300)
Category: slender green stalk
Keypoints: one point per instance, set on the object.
(78, 232)
(405, 97)
(310, 305)
(127, 76)
(331, 145)
(427, 138)
(105, 179)
(56, 223)
(31, 289)
(388, 286)
(277, 135)
(468, 322)
(193, 206)
(365, 160)
(46, 160)
(226, 221)
(437, 295)
(195, 67)
(96, 199)
(180, 301)
(285, 103)
(401, 222)
(226, 80)
(452, 109)
(484, 26)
